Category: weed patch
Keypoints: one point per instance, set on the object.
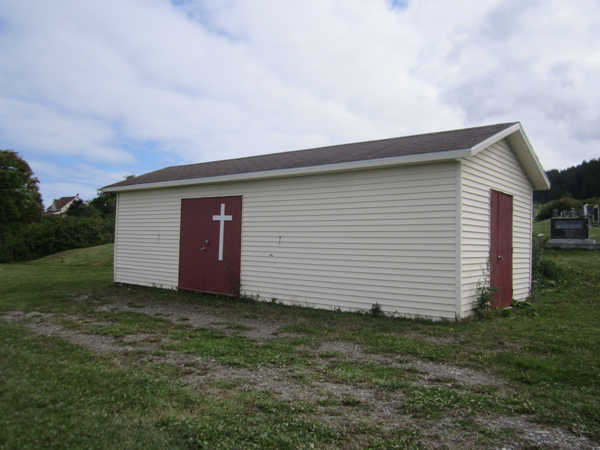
(236, 350)
(383, 343)
(368, 375)
(127, 323)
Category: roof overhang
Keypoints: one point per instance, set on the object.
(513, 134)
(313, 170)
(517, 139)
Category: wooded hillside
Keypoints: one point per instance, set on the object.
(582, 181)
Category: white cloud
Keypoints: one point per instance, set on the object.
(531, 61)
(134, 86)
(68, 180)
(33, 125)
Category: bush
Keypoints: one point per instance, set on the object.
(544, 269)
(539, 244)
(485, 292)
(56, 234)
(565, 203)
(548, 269)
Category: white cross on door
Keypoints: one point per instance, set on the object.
(222, 218)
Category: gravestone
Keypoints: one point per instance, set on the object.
(586, 211)
(596, 214)
(563, 213)
(573, 212)
(555, 213)
(569, 228)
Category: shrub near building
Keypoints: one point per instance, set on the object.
(57, 234)
(564, 204)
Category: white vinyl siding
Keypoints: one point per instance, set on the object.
(496, 168)
(347, 240)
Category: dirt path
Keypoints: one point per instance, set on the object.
(379, 407)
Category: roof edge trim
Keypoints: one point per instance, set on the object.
(495, 138)
(299, 171)
(524, 152)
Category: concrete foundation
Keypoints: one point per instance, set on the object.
(582, 244)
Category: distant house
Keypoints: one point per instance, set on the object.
(60, 206)
(409, 223)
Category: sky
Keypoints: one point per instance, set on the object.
(94, 90)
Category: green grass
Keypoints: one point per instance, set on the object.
(54, 394)
(127, 323)
(50, 283)
(366, 375)
(98, 257)
(236, 350)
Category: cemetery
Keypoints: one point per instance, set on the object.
(571, 229)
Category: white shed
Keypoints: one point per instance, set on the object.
(408, 223)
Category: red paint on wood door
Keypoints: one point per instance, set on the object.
(207, 224)
(501, 248)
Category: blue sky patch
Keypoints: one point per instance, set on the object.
(398, 4)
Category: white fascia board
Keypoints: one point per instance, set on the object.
(495, 138)
(541, 181)
(327, 168)
(524, 152)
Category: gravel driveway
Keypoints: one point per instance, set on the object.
(378, 406)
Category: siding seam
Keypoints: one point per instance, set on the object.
(116, 237)
(458, 243)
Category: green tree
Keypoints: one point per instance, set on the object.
(563, 204)
(578, 182)
(20, 198)
(79, 208)
(105, 202)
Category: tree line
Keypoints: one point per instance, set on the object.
(577, 182)
(27, 233)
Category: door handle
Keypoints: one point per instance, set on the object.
(500, 257)
(203, 248)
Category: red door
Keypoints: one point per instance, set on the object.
(210, 244)
(501, 248)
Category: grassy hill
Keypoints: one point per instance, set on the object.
(100, 256)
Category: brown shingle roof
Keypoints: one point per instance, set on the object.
(361, 151)
(62, 202)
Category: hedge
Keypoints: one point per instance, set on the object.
(53, 235)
